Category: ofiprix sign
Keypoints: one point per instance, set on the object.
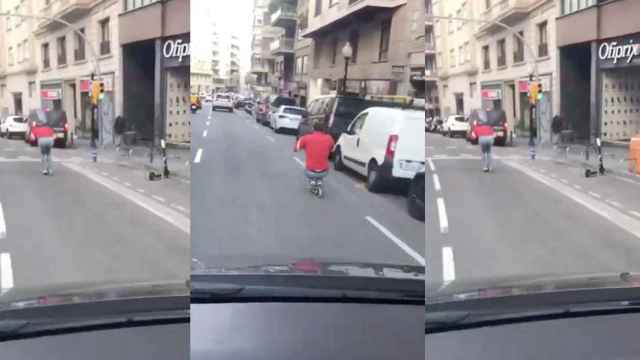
(619, 52)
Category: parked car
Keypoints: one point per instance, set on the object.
(241, 103)
(54, 119)
(262, 110)
(384, 144)
(13, 125)
(496, 118)
(415, 197)
(287, 117)
(455, 125)
(222, 101)
(337, 111)
(250, 107)
(275, 102)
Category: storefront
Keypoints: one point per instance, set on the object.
(176, 55)
(491, 95)
(619, 86)
(543, 108)
(51, 95)
(106, 116)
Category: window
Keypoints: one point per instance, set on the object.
(78, 53)
(472, 90)
(26, 50)
(543, 48)
(353, 40)
(46, 63)
(487, 3)
(452, 58)
(299, 65)
(485, 57)
(11, 59)
(467, 52)
(518, 52)
(333, 2)
(569, 6)
(460, 55)
(385, 34)
(134, 4)
(305, 63)
(334, 51)
(502, 55)
(450, 25)
(105, 37)
(318, 7)
(316, 55)
(62, 50)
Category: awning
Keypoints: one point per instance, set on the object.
(341, 19)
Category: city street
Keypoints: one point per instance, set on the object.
(526, 217)
(251, 203)
(89, 222)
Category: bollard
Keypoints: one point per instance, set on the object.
(164, 158)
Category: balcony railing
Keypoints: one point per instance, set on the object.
(282, 45)
(66, 10)
(284, 14)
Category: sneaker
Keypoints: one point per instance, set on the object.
(485, 169)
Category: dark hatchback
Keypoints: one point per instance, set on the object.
(495, 118)
(54, 119)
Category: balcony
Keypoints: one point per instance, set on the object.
(508, 12)
(348, 12)
(68, 10)
(282, 46)
(284, 16)
(259, 68)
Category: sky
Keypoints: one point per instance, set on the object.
(232, 16)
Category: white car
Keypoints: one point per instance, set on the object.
(222, 101)
(286, 117)
(455, 125)
(384, 144)
(13, 125)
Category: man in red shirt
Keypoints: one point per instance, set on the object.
(317, 146)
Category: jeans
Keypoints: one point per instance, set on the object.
(486, 142)
(314, 176)
(45, 145)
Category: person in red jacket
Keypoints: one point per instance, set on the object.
(46, 136)
(317, 146)
(486, 136)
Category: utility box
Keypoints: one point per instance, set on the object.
(634, 154)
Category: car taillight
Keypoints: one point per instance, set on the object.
(505, 125)
(391, 147)
(66, 127)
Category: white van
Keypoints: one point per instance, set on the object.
(383, 144)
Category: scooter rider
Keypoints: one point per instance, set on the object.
(317, 146)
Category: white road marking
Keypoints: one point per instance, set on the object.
(127, 184)
(431, 165)
(564, 181)
(614, 203)
(436, 182)
(442, 215)
(159, 198)
(448, 266)
(577, 187)
(205, 132)
(625, 179)
(451, 147)
(466, 155)
(612, 214)
(181, 208)
(198, 156)
(429, 147)
(595, 195)
(6, 272)
(140, 191)
(104, 173)
(270, 138)
(173, 217)
(208, 123)
(299, 161)
(635, 213)
(417, 257)
(3, 225)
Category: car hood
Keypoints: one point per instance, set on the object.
(84, 292)
(318, 267)
(439, 293)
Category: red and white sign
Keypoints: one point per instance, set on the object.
(50, 94)
(491, 94)
(85, 85)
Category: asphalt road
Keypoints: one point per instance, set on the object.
(526, 218)
(250, 203)
(84, 224)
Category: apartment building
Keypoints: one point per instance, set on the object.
(262, 60)
(201, 77)
(302, 53)
(599, 63)
(283, 15)
(387, 39)
(432, 97)
(65, 61)
(18, 92)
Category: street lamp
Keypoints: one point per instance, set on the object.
(347, 52)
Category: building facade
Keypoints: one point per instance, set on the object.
(262, 61)
(387, 38)
(283, 14)
(599, 64)
(432, 98)
(155, 69)
(201, 77)
(302, 54)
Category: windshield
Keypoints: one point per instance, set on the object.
(491, 117)
(279, 101)
(18, 119)
(294, 111)
(460, 119)
(56, 118)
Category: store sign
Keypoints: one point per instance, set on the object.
(491, 94)
(545, 81)
(176, 49)
(50, 94)
(618, 52)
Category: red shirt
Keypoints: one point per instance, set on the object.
(43, 132)
(484, 130)
(317, 146)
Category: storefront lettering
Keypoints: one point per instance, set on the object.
(176, 49)
(608, 51)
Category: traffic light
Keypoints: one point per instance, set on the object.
(533, 92)
(101, 95)
(540, 92)
(96, 86)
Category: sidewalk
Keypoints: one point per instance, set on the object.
(137, 157)
(615, 157)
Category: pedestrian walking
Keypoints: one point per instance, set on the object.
(46, 136)
(486, 137)
(118, 130)
(556, 130)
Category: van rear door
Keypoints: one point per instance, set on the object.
(410, 150)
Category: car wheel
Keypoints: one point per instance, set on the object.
(414, 205)
(374, 179)
(338, 165)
